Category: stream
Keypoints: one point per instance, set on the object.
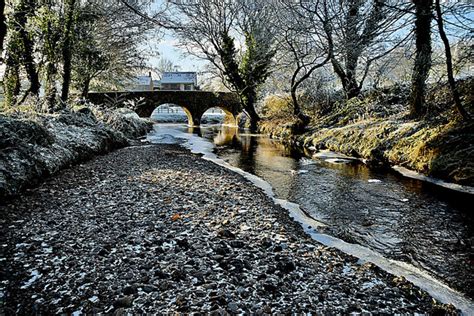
(377, 214)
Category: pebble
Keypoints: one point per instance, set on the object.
(124, 302)
(156, 229)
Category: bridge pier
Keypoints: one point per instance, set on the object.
(191, 117)
(196, 121)
(231, 119)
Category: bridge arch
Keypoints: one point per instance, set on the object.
(170, 109)
(227, 118)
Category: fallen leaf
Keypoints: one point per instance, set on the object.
(175, 217)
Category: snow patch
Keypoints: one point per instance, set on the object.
(35, 275)
(448, 185)
(93, 299)
(374, 181)
(307, 162)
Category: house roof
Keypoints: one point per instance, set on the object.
(143, 80)
(179, 77)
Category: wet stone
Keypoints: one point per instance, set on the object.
(237, 244)
(286, 266)
(149, 288)
(225, 233)
(130, 290)
(124, 302)
(270, 287)
(233, 308)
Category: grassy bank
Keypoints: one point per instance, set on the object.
(34, 145)
(376, 127)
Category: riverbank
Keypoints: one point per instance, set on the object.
(34, 146)
(376, 128)
(404, 226)
(172, 232)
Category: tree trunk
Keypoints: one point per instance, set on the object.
(30, 66)
(3, 26)
(449, 63)
(254, 119)
(294, 99)
(294, 87)
(11, 82)
(249, 107)
(67, 50)
(297, 111)
(85, 88)
(422, 65)
(50, 89)
(352, 51)
(20, 18)
(11, 77)
(352, 88)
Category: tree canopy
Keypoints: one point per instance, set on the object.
(65, 46)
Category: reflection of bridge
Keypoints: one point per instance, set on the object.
(194, 103)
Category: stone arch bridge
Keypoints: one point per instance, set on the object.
(194, 103)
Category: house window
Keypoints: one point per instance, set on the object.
(170, 86)
(188, 87)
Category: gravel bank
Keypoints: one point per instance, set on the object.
(157, 229)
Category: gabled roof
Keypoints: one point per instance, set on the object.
(179, 77)
(143, 80)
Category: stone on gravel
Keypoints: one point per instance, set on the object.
(108, 229)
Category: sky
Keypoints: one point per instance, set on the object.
(167, 47)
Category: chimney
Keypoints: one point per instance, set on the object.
(149, 74)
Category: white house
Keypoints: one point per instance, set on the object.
(184, 81)
(140, 83)
(156, 84)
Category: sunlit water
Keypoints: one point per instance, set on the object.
(399, 218)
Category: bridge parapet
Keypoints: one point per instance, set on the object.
(194, 103)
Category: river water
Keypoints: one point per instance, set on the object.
(428, 227)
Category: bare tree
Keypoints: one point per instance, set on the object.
(359, 32)
(76, 41)
(235, 36)
(108, 45)
(449, 62)
(304, 48)
(165, 65)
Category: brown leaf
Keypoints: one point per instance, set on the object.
(175, 217)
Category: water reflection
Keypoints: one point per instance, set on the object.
(402, 218)
(195, 130)
(258, 155)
